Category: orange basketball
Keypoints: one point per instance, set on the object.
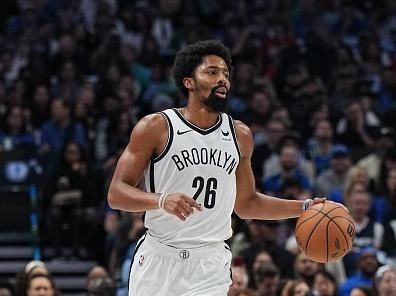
(325, 232)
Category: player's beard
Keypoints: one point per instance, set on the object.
(215, 103)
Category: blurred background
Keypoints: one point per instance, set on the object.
(314, 79)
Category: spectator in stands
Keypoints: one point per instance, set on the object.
(110, 113)
(353, 130)
(18, 149)
(274, 131)
(31, 268)
(320, 146)
(384, 138)
(158, 85)
(273, 166)
(245, 292)
(96, 271)
(385, 281)
(39, 108)
(367, 265)
(118, 132)
(282, 114)
(369, 233)
(58, 131)
(388, 163)
(358, 175)
(363, 291)
(14, 130)
(332, 181)
(305, 269)
(67, 84)
(389, 238)
(259, 112)
(262, 258)
(289, 168)
(298, 92)
(264, 238)
(240, 280)
(320, 112)
(71, 193)
(103, 286)
(295, 288)
(267, 279)
(41, 285)
(6, 289)
(324, 284)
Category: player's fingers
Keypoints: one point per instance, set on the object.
(193, 203)
(183, 211)
(340, 204)
(317, 200)
(188, 208)
(180, 216)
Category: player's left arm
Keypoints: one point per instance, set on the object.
(250, 204)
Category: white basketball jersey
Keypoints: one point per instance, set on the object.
(200, 163)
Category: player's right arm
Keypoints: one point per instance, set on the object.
(148, 138)
(144, 140)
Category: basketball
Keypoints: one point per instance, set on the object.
(325, 232)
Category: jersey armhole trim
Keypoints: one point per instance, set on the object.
(232, 127)
(168, 142)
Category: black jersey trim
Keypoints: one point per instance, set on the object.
(169, 141)
(232, 127)
(152, 184)
(202, 131)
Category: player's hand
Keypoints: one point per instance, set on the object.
(180, 205)
(310, 202)
(339, 204)
(317, 200)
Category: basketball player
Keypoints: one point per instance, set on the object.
(196, 164)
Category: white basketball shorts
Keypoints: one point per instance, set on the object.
(160, 270)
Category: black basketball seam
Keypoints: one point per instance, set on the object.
(307, 220)
(312, 231)
(331, 218)
(309, 217)
(341, 232)
(327, 242)
(345, 219)
(342, 217)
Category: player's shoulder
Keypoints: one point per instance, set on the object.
(151, 126)
(152, 121)
(244, 136)
(242, 129)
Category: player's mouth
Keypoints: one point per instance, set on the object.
(221, 92)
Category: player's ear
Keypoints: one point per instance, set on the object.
(188, 82)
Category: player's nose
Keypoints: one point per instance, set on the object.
(222, 78)
(223, 82)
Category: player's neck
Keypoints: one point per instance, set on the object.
(199, 115)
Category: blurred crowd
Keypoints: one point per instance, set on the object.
(314, 79)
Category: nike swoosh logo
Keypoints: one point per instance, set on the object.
(225, 134)
(183, 132)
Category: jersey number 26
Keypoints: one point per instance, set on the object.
(210, 190)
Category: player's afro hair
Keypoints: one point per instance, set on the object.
(191, 56)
